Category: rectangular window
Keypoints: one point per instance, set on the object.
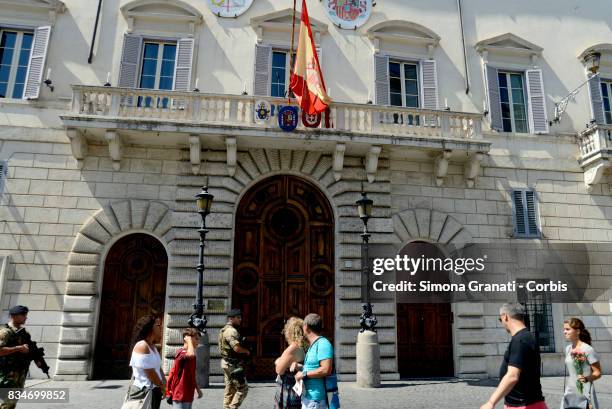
(15, 48)
(539, 317)
(513, 105)
(281, 73)
(404, 84)
(606, 94)
(158, 59)
(526, 218)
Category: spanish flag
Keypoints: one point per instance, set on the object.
(307, 80)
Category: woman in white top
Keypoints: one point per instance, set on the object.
(575, 332)
(146, 361)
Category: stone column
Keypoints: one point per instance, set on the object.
(368, 360)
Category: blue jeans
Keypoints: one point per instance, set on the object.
(313, 404)
(181, 405)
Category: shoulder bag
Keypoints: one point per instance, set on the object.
(143, 402)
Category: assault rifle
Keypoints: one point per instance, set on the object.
(38, 356)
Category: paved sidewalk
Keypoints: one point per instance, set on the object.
(405, 394)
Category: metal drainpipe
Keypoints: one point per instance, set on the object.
(465, 64)
(95, 31)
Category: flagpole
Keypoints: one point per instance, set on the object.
(291, 58)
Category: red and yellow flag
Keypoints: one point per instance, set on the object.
(307, 81)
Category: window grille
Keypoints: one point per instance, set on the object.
(538, 317)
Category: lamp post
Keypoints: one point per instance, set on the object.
(198, 319)
(591, 61)
(368, 349)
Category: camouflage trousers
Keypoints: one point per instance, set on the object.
(11, 404)
(235, 391)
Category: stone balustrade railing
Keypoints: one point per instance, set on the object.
(240, 110)
(595, 139)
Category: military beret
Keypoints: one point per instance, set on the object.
(234, 312)
(18, 309)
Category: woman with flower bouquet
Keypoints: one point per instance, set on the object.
(582, 365)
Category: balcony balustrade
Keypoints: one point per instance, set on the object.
(239, 110)
(595, 144)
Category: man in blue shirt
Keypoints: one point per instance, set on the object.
(318, 364)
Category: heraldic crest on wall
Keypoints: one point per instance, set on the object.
(349, 14)
(229, 8)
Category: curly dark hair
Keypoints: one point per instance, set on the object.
(144, 327)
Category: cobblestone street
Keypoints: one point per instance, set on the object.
(418, 394)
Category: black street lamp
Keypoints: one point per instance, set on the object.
(364, 207)
(198, 319)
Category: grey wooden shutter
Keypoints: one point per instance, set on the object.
(36, 65)
(183, 64)
(495, 115)
(263, 69)
(381, 76)
(538, 119)
(429, 84)
(596, 99)
(519, 213)
(525, 214)
(130, 61)
(532, 216)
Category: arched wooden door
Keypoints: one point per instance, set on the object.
(134, 284)
(424, 330)
(283, 263)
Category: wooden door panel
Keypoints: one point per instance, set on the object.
(289, 225)
(134, 284)
(424, 340)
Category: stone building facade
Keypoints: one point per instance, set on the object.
(86, 166)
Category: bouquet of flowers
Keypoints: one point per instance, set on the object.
(578, 358)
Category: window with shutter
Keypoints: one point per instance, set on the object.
(526, 217)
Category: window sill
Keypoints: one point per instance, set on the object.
(63, 103)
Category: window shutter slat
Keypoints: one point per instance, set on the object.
(36, 64)
(596, 99)
(429, 84)
(519, 213)
(184, 64)
(381, 75)
(532, 221)
(537, 102)
(130, 59)
(263, 62)
(495, 114)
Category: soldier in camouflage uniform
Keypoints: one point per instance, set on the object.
(14, 353)
(233, 355)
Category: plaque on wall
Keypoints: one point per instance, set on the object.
(349, 14)
(229, 8)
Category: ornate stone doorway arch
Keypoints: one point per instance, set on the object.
(425, 331)
(83, 287)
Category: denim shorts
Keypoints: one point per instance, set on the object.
(313, 404)
(181, 405)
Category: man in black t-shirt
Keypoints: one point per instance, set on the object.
(519, 373)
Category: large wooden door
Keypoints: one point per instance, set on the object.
(424, 340)
(134, 284)
(283, 263)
